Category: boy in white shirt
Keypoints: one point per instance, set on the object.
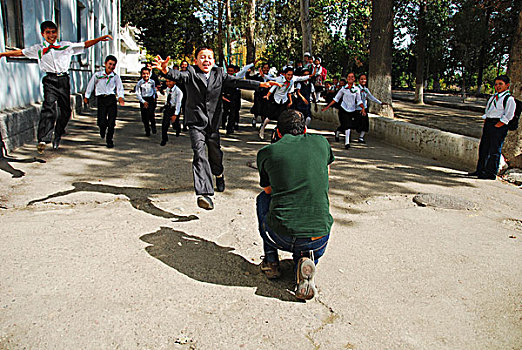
(146, 94)
(350, 97)
(107, 86)
(54, 58)
(171, 110)
(497, 116)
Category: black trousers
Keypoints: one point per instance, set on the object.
(490, 147)
(348, 120)
(204, 167)
(230, 118)
(107, 112)
(56, 90)
(147, 114)
(362, 122)
(165, 124)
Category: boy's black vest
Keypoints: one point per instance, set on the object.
(513, 123)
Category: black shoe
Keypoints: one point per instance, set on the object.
(220, 183)
(163, 142)
(347, 146)
(178, 132)
(205, 202)
(230, 132)
(102, 133)
(361, 140)
(56, 142)
(147, 133)
(154, 131)
(110, 144)
(475, 173)
(487, 177)
(337, 136)
(236, 127)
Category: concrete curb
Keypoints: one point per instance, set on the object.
(19, 126)
(458, 150)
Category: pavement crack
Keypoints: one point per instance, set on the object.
(330, 319)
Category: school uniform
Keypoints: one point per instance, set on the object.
(172, 107)
(279, 95)
(492, 138)
(54, 60)
(261, 106)
(363, 122)
(348, 98)
(107, 89)
(146, 92)
(204, 110)
(306, 89)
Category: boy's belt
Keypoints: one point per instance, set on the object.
(63, 74)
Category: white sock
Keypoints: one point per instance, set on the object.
(361, 136)
(308, 120)
(347, 137)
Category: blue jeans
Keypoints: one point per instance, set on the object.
(272, 242)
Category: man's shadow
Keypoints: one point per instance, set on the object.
(8, 168)
(138, 197)
(209, 262)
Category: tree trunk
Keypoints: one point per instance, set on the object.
(250, 30)
(421, 53)
(306, 26)
(381, 39)
(436, 82)
(482, 55)
(221, 57)
(228, 27)
(512, 149)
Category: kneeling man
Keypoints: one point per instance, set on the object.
(293, 210)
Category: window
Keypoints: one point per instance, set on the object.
(57, 14)
(13, 23)
(80, 20)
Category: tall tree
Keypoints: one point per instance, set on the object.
(228, 31)
(306, 26)
(421, 52)
(512, 149)
(250, 31)
(381, 41)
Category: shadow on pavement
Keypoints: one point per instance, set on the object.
(206, 261)
(138, 197)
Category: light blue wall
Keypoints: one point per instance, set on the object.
(20, 80)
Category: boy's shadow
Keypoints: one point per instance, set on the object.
(209, 262)
(8, 168)
(138, 197)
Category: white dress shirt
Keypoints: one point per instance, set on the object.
(103, 84)
(242, 73)
(145, 89)
(281, 93)
(365, 96)
(351, 98)
(176, 95)
(57, 59)
(495, 107)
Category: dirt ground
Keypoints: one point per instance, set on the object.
(106, 249)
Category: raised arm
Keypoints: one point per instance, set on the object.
(92, 42)
(13, 53)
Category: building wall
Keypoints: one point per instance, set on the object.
(79, 20)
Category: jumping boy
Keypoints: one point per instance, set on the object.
(146, 94)
(497, 116)
(305, 92)
(171, 110)
(107, 86)
(204, 84)
(54, 59)
(350, 97)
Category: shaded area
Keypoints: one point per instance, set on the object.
(8, 168)
(138, 197)
(208, 262)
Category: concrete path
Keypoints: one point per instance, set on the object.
(470, 103)
(106, 249)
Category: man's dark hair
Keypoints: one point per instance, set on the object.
(503, 78)
(291, 122)
(199, 49)
(47, 25)
(144, 69)
(111, 58)
(288, 69)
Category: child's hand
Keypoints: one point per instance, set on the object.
(146, 104)
(86, 100)
(266, 97)
(173, 118)
(363, 112)
(121, 101)
(105, 38)
(225, 99)
(161, 64)
(271, 83)
(324, 109)
(499, 125)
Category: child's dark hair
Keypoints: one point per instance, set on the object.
(111, 58)
(291, 122)
(144, 69)
(199, 49)
(175, 67)
(47, 25)
(288, 69)
(343, 80)
(503, 78)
